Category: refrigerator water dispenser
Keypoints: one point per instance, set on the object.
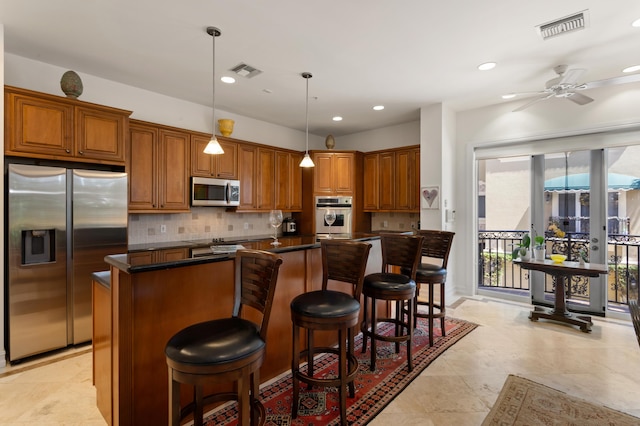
(38, 246)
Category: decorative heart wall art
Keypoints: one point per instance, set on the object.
(430, 196)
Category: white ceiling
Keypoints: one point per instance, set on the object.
(402, 54)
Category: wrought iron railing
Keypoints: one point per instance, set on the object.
(496, 269)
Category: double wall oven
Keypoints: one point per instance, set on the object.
(342, 206)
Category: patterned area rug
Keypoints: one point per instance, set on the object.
(374, 390)
(523, 402)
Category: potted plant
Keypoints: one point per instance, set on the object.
(522, 248)
(539, 247)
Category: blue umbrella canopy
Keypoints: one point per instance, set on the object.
(580, 182)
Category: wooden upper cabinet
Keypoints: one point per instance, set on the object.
(393, 179)
(265, 182)
(288, 181)
(247, 176)
(157, 167)
(371, 196)
(223, 166)
(39, 125)
(334, 173)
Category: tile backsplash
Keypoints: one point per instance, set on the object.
(213, 222)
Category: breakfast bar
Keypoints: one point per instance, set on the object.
(562, 271)
(156, 292)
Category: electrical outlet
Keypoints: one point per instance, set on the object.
(163, 229)
(246, 226)
(413, 225)
(385, 224)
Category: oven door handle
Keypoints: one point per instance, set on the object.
(333, 206)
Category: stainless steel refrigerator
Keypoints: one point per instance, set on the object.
(61, 224)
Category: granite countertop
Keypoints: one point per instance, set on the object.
(142, 258)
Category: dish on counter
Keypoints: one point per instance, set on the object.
(558, 258)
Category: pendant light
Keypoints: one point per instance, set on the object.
(213, 147)
(306, 160)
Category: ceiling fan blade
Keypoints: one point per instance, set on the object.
(579, 98)
(533, 101)
(572, 76)
(631, 78)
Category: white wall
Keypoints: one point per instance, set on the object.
(150, 106)
(388, 137)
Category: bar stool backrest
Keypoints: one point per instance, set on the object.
(256, 275)
(344, 261)
(437, 244)
(403, 251)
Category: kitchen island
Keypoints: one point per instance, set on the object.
(156, 292)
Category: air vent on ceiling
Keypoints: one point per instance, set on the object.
(577, 21)
(245, 70)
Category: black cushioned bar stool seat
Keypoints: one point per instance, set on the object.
(343, 261)
(401, 251)
(228, 349)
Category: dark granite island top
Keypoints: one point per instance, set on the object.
(148, 257)
(157, 291)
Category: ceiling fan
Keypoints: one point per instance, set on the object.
(566, 85)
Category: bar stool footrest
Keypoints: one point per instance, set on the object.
(352, 368)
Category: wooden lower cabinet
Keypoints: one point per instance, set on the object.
(147, 308)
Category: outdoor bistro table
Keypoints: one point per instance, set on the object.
(562, 271)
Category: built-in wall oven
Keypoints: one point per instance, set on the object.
(342, 206)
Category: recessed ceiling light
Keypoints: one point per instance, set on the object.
(337, 118)
(636, 23)
(509, 96)
(632, 69)
(487, 66)
(227, 79)
(378, 107)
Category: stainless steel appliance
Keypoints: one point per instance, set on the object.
(214, 192)
(343, 208)
(61, 223)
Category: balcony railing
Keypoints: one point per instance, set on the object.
(496, 269)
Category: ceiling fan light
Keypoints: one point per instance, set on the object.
(633, 68)
(213, 147)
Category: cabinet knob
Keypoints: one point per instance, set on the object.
(67, 151)
(81, 152)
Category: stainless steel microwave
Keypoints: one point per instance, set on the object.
(214, 192)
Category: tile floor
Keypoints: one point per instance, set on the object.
(457, 389)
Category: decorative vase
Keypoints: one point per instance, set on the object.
(226, 126)
(71, 84)
(526, 256)
(330, 142)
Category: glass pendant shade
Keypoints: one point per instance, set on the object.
(306, 160)
(213, 147)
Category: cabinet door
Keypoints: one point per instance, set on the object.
(100, 135)
(323, 173)
(344, 173)
(201, 163)
(295, 181)
(173, 185)
(282, 180)
(266, 179)
(371, 182)
(39, 126)
(415, 183)
(226, 165)
(387, 183)
(404, 181)
(247, 176)
(142, 167)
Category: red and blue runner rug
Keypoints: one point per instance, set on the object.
(374, 390)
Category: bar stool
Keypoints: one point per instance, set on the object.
(343, 261)
(229, 349)
(401, 251)
(436, 246)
